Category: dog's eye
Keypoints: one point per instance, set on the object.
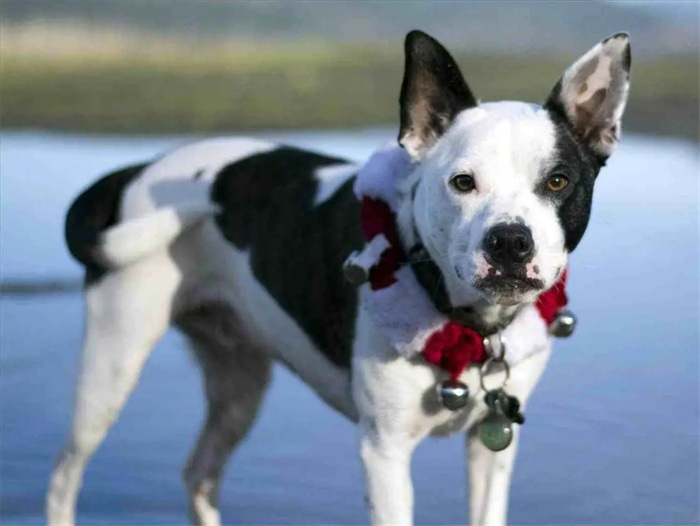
(462, 182)
(557, 182)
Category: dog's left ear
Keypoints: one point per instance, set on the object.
(433, 93)
(593, 92)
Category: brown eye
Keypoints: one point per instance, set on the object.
(462, 182)
(556, 183)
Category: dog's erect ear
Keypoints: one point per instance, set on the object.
(593, 92)
(433, 92)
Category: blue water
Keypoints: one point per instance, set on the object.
(612, 431)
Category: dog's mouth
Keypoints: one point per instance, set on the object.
(508, 289)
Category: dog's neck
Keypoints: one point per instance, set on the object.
(483, 317)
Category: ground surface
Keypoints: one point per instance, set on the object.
(611, 436)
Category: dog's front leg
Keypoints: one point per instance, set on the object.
(388, 392)
(489, 479)
(387, 463)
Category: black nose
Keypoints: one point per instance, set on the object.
(507, 244)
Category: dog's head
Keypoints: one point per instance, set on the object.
(502, 191)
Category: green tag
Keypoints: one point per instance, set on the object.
(496, 431)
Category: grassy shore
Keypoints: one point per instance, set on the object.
(148, 88)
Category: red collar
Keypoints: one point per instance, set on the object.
(454, 346)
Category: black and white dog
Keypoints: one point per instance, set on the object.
(240, 244)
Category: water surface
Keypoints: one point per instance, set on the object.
(612, 431)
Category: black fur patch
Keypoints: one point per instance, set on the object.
(433, 91)
(94, 211)
(297, 249)
(581, 166)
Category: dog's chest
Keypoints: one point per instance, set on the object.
(298, 229)
(404, 390)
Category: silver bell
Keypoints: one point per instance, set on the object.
(563, 325)
(453, 394)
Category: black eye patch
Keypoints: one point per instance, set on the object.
(557, 183)
(580, 166)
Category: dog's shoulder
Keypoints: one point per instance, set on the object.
(295, 213)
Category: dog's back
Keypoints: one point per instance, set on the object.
(292, 210)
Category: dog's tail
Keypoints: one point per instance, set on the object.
(135, 239)
(96, 238)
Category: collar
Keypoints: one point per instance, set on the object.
(456, 344)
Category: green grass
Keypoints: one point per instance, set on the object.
(306, 85)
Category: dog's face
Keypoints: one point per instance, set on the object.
(502, 192)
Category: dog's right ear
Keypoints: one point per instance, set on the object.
(433, 93)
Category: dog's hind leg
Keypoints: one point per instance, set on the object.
(127, 312)
(236, 374)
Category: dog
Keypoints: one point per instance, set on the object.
(240, 244)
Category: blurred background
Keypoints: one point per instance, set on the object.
(126, 66)
(87, 86)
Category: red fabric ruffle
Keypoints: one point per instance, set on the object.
(552, 300)
(453, 347)
(377, 218)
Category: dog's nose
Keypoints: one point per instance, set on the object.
(507, 244)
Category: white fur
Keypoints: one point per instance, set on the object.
(132, 240)
(167, 198)
(380, 176)
(404, 313)
(126, 315)
(171, 179)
